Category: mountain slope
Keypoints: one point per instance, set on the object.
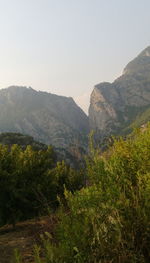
(115, 106)
(49, 118)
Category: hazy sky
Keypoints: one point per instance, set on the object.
(68, 46)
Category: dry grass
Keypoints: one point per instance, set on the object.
(23, 238)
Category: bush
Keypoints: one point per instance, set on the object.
(109, 221)
(30, 182)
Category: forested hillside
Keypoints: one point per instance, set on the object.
(10, 138)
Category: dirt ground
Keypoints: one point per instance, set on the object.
(23, 238)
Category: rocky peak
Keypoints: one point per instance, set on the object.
(139, 64)
(145, 52)
(115, 105)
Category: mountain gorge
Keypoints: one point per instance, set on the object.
(96, 210)
(114, 107)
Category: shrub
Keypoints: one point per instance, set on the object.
(109, 221)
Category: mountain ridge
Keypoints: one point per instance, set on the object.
(48, 118)
(114, 106)
(57, 120)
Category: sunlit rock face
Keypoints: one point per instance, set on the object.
(114, 106)
(102, 111)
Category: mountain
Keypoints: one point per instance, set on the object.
(48, 118)
(117, 107)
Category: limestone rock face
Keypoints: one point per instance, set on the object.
(114, 106)
(101, 112)
(49, 118)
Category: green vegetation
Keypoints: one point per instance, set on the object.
(10, 138)
(141, 119)
(109, 220)
(31, 181)
(136, 117)
(106, 221)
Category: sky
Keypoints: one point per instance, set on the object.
(67, 46)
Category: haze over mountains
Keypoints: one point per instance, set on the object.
(49, 118)
(57, 120)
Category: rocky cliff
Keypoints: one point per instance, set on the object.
(49, 118)
(115, 106)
